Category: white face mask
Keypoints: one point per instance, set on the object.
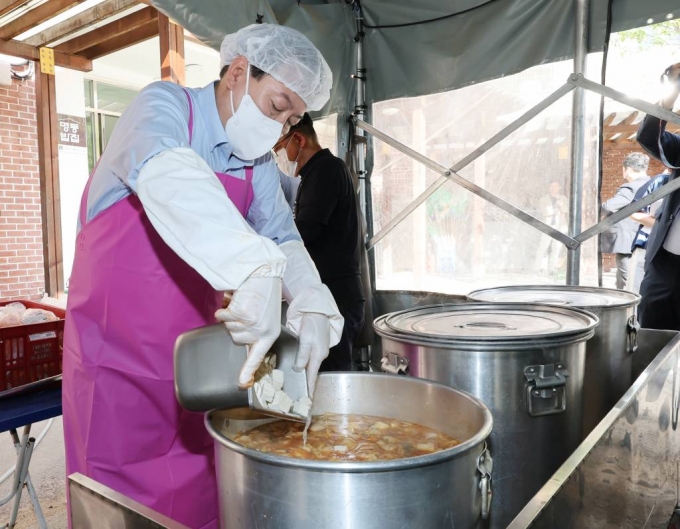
(249, 132)
(288, 167)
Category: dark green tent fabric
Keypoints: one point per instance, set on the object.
(490, 39)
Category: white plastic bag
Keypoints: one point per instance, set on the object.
(37, 316)
(9, 317)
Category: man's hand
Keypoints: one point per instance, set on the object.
(671, 88)
(253, 318)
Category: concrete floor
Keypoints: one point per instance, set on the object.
(48, 475)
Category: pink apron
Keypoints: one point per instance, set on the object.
(130, 296)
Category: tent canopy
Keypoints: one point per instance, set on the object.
(484, 39)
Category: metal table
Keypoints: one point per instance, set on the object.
(22, 407)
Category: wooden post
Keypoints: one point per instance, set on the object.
(50, 201)
(171, 38)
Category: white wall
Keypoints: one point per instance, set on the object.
(73, 170)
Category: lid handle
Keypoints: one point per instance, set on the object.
(553, 301)
(487, 325)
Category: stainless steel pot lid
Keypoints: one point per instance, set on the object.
(489, 322)
(565, 296)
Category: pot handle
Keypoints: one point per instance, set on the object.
(394, 364)
(633, 328)
(485, 467)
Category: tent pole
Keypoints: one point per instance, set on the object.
(360, 112)
(577, 140)
(361, 142)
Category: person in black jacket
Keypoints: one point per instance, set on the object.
(327, 215)
(660, 289)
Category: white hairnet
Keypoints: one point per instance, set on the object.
(285, 54)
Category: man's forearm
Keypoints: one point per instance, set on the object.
(646, 220)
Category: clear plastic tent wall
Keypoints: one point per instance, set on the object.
(456, 242)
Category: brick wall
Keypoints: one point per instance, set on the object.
(612, 164)
(21, 253)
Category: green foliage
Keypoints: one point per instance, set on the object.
(639, 39)
(443, 208)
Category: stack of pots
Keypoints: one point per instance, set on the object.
(525, 362)
(609, 352)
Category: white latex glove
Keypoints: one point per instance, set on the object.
(314, 336)
(305, 293)
(312, 313)
(253, 318)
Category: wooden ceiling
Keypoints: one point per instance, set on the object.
(620, 128)
(105, 28)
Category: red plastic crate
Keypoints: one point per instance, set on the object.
(31, 352)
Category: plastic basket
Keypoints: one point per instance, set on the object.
(31, 352)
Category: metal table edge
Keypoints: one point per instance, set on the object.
(543, 497)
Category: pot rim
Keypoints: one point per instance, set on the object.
(367, 466)
(482, 343)
(633, 302)
(487, 346)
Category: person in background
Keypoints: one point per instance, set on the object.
(289, 183)
(184, 205)
(289, 186)
(619, 238)
(554, 209)
(660, 289)
(327, 215)
(646, 218)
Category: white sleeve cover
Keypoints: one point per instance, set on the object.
(305, 293)
(190, 210)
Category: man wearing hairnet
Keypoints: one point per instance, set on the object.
(185, 204)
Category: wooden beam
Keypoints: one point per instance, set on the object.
(630, 118)
(31, 53)
(81, 21)
(608, 120)
(110, 31)
(622, 138)
(10, 5)
(50, 199)
(124, 40)
(632, 129)
(36, 16)
(172, 50)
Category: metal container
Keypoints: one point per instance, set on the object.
(386, 301)
(439, 490)
(525, 362)
(207, 363)
(609, 352)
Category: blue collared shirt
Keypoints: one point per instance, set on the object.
(157, 120)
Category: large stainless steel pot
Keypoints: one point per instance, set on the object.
(525, 362)
(386, 301)
(609, 352)
(440, 490)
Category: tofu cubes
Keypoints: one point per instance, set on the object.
(269, 388)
